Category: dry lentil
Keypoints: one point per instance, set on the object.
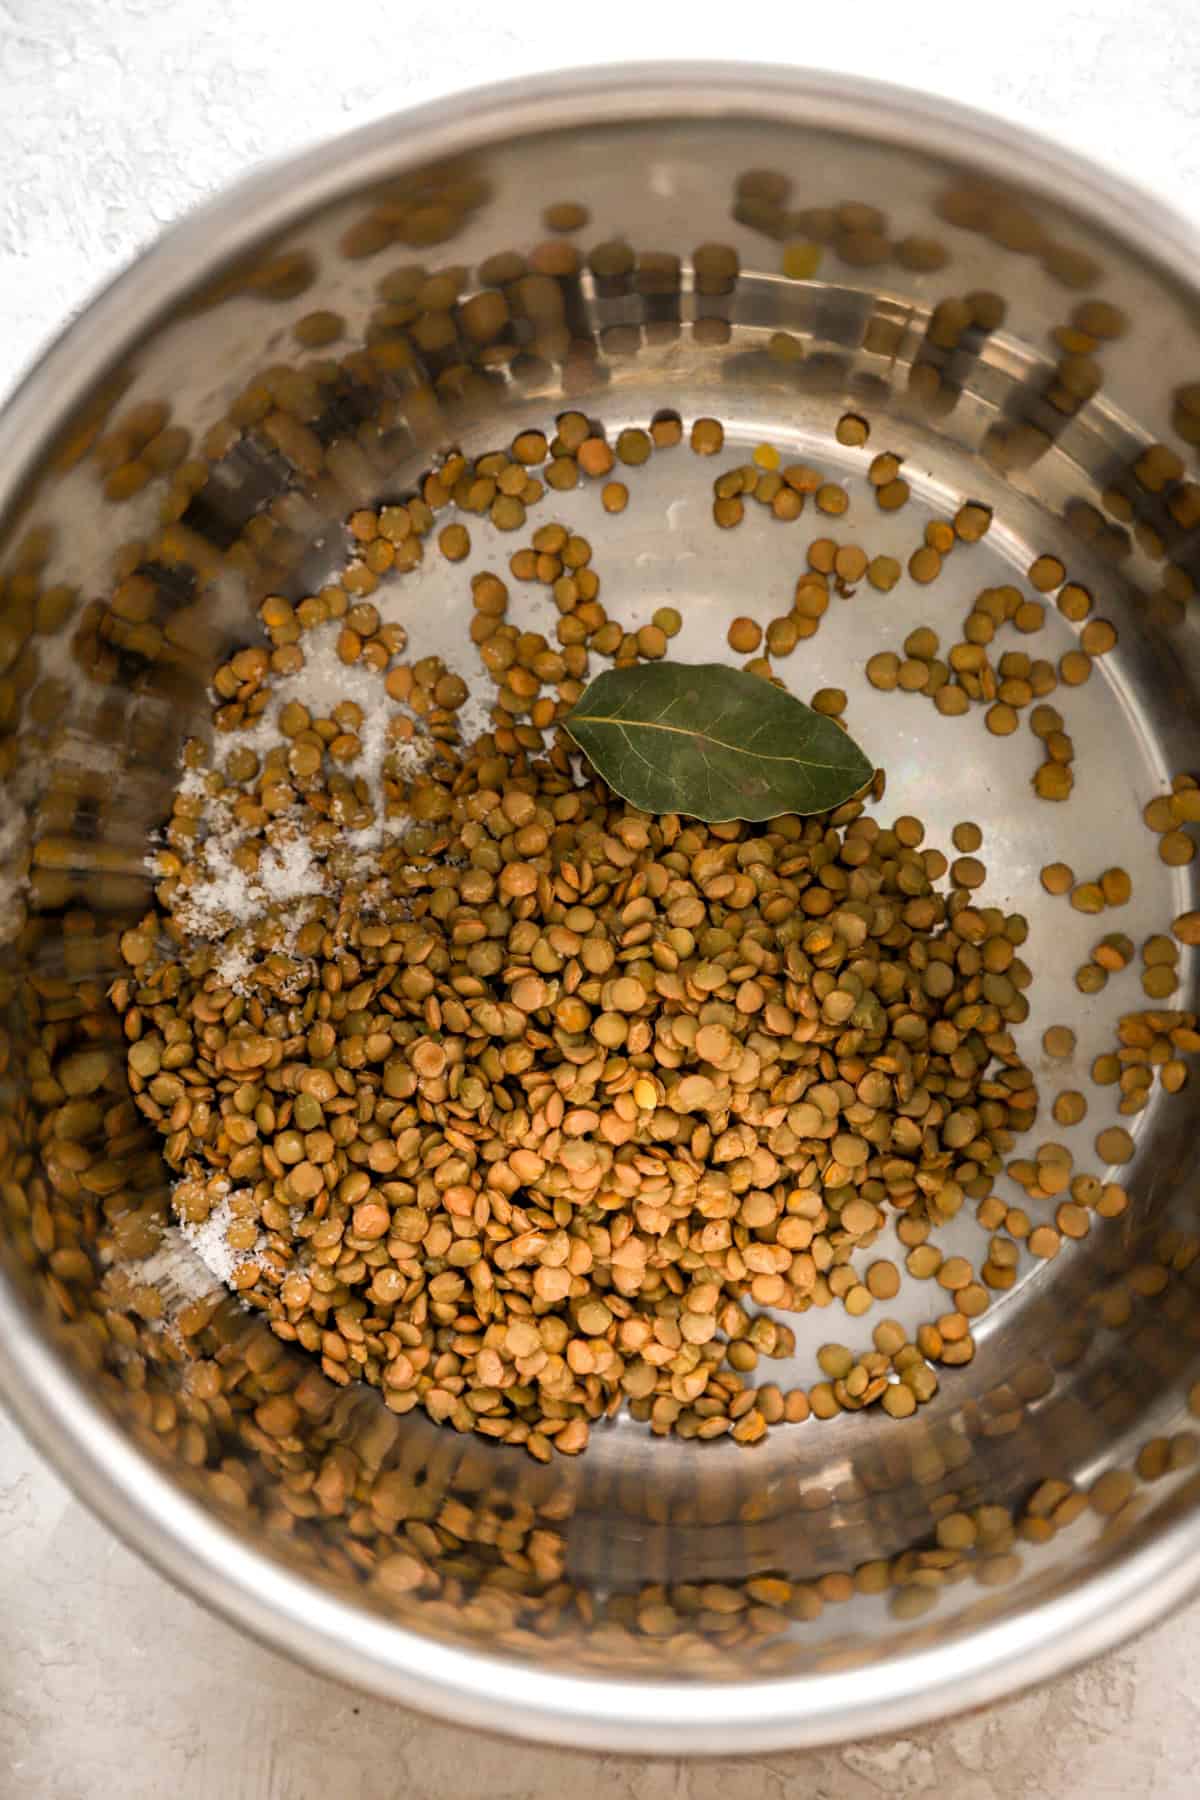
(883, 572)
(1046, 573)
(972, 521)
(707, 437)
(1114, 1145)
(634, 446)
(850, 563)
(1057, 878)
(883, 669)
(744, 636)
(1176, 848)
(1053, 781)
(891, 495)
(852, 429)
(1116, 887)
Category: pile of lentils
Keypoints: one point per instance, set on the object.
(539, 1131)
(534, 1106)
(533, 1121)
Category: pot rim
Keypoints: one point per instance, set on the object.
(189, 1545)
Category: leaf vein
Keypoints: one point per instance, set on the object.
(705, 737)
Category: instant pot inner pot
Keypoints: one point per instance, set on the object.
(774, 276)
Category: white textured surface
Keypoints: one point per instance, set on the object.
(115, 116)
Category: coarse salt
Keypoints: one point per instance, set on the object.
(227, 898)
(210, 1242)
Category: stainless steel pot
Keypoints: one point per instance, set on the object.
(1023, 329)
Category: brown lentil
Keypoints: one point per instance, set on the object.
(744, 636)
(891, 495)
(1046, 573)
(707, 437)
(1057, 878)
(1114, 1145)
(883, 572)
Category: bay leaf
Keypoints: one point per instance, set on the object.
(713, 742)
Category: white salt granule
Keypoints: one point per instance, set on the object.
(192, 784)
(474, 716)
(233, 967)
(290, 872)
(226, 896)
(193, 1261)
(209, 1241)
